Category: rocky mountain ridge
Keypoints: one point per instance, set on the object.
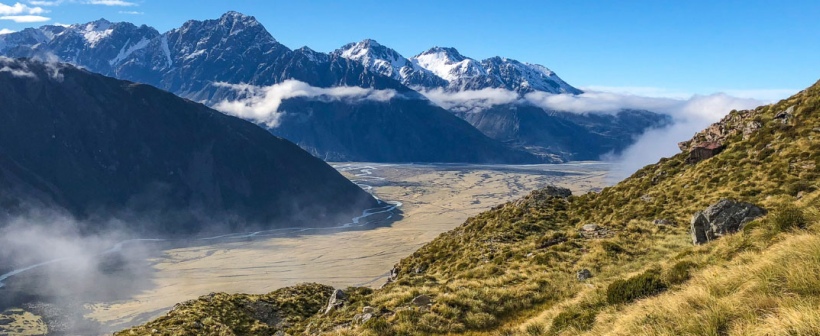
(198, 59)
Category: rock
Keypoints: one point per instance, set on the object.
(703, 151)
(646, 198)
(750, 128)
(368, 310)
(785, 116)
(595, 231)
(337, 300)
(421, 300)
(722, 218)
(590, 227)
(540, 197)
(365, 317)
(583, 274)
(662, 221)
(556, 192)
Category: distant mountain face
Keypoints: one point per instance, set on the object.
(197, 59)
(95, 145)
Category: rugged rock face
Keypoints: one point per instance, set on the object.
(722, 218)
(94, 145)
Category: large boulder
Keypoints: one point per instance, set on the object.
(721, 218)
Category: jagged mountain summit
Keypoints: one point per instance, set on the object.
(207, 60)
(441, 67)
(383, 60)
(99, 148)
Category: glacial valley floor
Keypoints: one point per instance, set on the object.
(435, 199)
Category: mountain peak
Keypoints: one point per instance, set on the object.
(450, 52)
(233, 17)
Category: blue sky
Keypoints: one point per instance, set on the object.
(760, 49)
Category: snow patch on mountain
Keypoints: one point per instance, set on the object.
(96, 31)
(449, 64)
(165, 50)
(124, 53)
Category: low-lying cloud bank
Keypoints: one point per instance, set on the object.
(690, 115)
(261, 103)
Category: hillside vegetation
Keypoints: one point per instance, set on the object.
(515, 269)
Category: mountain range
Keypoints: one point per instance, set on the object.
(99, 148)
(196, 60)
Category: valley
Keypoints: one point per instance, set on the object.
(434, 198)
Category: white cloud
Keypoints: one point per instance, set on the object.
(19, 8)
(46, 3)
(25, 18)
(111, 3)
(131, 12)
(690, 116)
(644, 91)
(15, 68)
(690, 113)
(261, 104)
(4, 31)
(470, 100)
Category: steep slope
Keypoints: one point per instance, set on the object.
(100, 147)
(622, 261)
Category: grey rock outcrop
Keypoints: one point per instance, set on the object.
(722, 218)
(583, 274)
(337, 300)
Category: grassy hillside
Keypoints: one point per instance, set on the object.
(513, 270)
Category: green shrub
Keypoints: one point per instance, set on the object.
(647, 284)
(679, 273)
(788, 218)
(574, 317)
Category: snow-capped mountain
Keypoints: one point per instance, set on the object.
(441, 67)
(464, 73)
(526, 77)
(387, 62)
(196, 60)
